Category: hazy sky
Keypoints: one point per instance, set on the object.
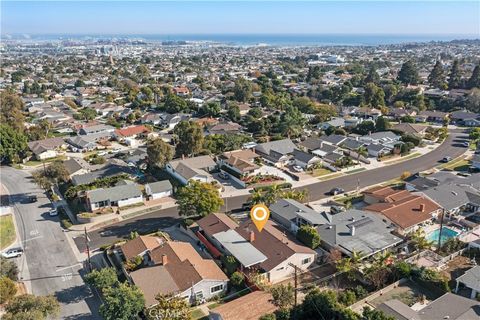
(200, 17)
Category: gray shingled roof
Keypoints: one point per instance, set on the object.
(283, 147)
(160, 186)
(289, 209)
(115, 193)
(471, 278)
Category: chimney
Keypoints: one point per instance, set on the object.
(252, 236)
(352, 230)
(164, 259)
(422, 207)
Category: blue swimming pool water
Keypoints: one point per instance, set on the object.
(447, 233)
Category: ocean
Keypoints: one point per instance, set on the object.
(272, 39)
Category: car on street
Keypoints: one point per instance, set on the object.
(466, 144)
(336, 191)
(13, 253)
(446, 159)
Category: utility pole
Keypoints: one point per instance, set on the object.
(295, 282)
(88, 251)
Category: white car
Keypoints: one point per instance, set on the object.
(298, 168)
(13, 253)
(53, 212)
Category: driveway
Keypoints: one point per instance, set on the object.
(48, 266)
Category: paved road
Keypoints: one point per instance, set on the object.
(163, 218)
(48, 265)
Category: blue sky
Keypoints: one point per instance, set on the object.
(200, 17)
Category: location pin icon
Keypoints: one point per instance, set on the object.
(259, 215)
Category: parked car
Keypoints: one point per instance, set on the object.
(298, 168)
(466, 144)
(336, 191)
(53, 212)
(446, 159)
(13, 253)
(224, 175)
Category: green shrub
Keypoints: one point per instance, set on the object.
(230, 264)
(237, 279)
(308, 236)
(188, 222)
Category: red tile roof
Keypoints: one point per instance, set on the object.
(131, 131)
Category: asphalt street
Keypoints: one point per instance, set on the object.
(49, 266)
(452, 147)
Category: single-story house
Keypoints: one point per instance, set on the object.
(292, 214)
(276, 152)
(76, 166)
(81, 143)
(471, 280)
(118, 196)
(196, 168)
(159, 189)
(139, 246)
(358, 231)
(131, 132)
(410, 128)
(305, 160)
(46, 148)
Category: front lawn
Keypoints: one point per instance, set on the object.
(319, 172)
(7, 231)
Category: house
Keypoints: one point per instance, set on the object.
(431, 116)
(455, 197)
(270, 252)
(382, 137)
(292, 214)
(225, 128)
(410, 128)
(241, 162)
(104, 129)
(131, 132)
(248, 307)
(333, 123)
(196, 168)
(464, 117)
(378, 150)
(383, 194)
(352, 144)
(305, 160)
(151, 118)
(416, 182)
(110, 169)
(118, 196)
(471, 280)
(406, 211)
(276, 152)
(449, 306)
(170, 121)
(159, 189)
(333, 139)
(76, 166)
(357, 231)
(46, 148)
(181, 91)
(176, 268)
(81, 143)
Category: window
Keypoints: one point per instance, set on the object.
(306, 260)
(216, 288)
(199, 295)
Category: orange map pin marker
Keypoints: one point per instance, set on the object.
(259, 215)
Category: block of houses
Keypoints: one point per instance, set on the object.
(248, 307)
(176, 268)
(46, 148)
(271, 252)
(292, 214)
(277, 152)
(196, 168)
(159, 189)
(118, 196)
(357, 231)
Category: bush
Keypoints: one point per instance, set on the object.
(188, 222)
(360, 292)
(308, 236)
(237, 279)
(230, 264)
(347, 298)
(7, 289)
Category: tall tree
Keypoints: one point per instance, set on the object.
(233, 113)
(159, 153)
(198, 198)
(211, 109)
(242, 90)
(122, 302)
(102, 279)
(382, 124)
(8, 288)
(11, 107)
(436, 77)
(283, 295)
(13, 144)
(372, 76)
(374, 95)
(455, 77)
(474, 81)
(408, 74)
(189, 137)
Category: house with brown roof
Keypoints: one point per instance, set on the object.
(272, 252)
(411, 128)
(139, 246)
(239, 163)
(196, 168)
(383, 194)
(131, 132)
(406, 211)
(249, 307)
(46, 148)
(177, 268)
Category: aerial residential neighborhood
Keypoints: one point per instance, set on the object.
(133, 163)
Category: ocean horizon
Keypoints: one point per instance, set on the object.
(267, 39)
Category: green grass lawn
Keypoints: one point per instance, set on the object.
(7, 231)
(319, 172)
(458, 164)
(33, 163)
(198, 314)
(410, 156)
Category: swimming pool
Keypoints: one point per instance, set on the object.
(447, 233)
